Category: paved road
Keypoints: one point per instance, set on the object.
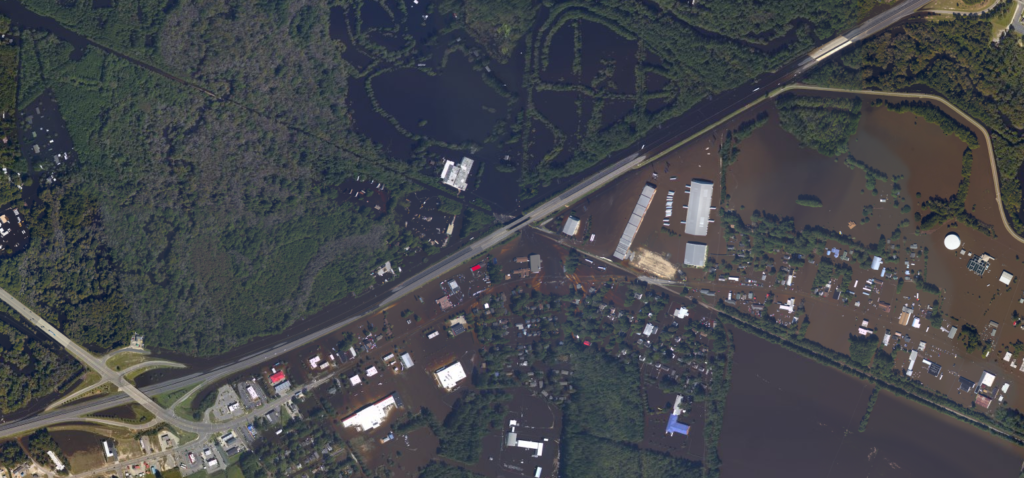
(861, 32)
(1018, 23)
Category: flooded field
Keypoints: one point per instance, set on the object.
(83, 449)
(789, 416)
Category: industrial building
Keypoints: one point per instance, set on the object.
(373, 415)
(572, 226)
(698, 209)
(979, 264)
(696, 254)
(455, 175)
(633, 225)
(513, 440)
(450, 376)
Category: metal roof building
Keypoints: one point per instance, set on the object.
(456, 175)
(622, 250)
(572, 226)
(535, 263)
(450, 376)
(696, 254)
(698, 209)
(371, 416)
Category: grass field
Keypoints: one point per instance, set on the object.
(958, 5)
(167, 399)
(124, 360)
(1000, 22)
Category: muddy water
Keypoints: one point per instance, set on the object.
(789, 416)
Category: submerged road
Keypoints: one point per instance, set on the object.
(725, 105)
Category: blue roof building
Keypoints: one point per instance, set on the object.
(674, 426)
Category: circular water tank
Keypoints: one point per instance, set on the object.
(952, 241)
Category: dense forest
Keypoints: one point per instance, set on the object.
(604, 423)
(957, 59)
(29, 370)
(197, 222)
(822, 123)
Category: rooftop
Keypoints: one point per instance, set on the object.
(639, 211)
(698, 209)
(449, 377)
(371, 416)
(696, 254)
(455, 175)
(572, 226)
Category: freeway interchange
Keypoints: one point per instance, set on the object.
(703, 115)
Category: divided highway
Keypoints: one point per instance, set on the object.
(733, 101)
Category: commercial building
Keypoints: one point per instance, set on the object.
(450, 376)
(107, 450)
(572, 226)
(407, 361)
(1006, 278)
(698, 209)
(535, 263)
(639, 211)
(513, 441)
(455, 175)
(696, 254)
(952, 332)
(987, 379)
(277, 378)
(979, 264)
(373, 415)
(913, 358)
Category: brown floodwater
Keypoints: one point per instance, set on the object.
(787, 415)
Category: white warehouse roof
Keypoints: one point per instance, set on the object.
(371, 416)
(639, 211)
(698, 209)
(450, 376)
(696, 254)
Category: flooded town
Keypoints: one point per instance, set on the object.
(465, 240)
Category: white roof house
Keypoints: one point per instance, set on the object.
(450, 376)
(455, 175)
(371, 416)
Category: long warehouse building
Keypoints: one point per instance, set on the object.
(699, 207)
(634, 222)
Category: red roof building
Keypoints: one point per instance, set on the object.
(982, 401)
(277, 378)
(475, 268)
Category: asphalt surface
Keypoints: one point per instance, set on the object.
(725, 105)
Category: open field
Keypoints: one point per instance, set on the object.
(124, 360)
(959, 5)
